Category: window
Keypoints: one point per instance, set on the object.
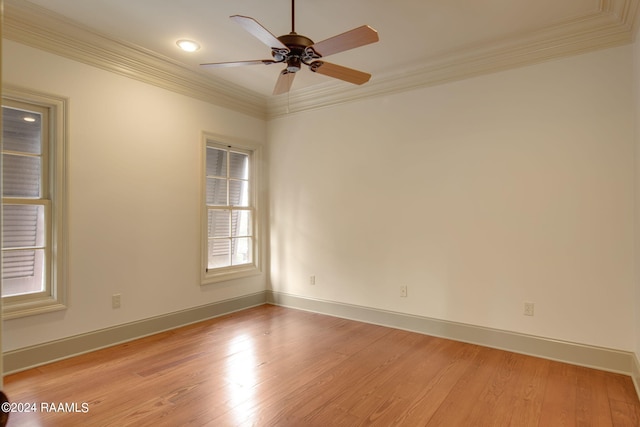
(230, 220)
(32, 207)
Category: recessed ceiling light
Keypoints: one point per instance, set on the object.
(29, 119)
(188, 45)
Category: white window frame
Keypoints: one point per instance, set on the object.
(209, 276)
(53, 198)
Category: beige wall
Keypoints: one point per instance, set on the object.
(133, 196)
(478, 195)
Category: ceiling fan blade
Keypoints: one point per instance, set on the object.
(351, 39)
(285, 80)
(259, 32)
(339, 72)
(237, 63)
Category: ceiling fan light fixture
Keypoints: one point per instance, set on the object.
(294, 64)
(188, 45)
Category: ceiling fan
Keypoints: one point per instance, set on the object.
(294, 50)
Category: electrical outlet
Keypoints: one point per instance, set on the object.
(312, 280)
(528, 309)
(115, 300)
(403, 291)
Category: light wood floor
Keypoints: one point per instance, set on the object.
(273, 366)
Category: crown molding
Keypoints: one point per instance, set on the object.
(34, 26)
(614, 23)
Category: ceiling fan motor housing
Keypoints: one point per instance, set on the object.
(295, 40)
(300, 51)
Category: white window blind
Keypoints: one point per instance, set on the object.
(228, 209)
(23, 235)
(25, 205)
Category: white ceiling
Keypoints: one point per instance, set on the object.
(413, 33)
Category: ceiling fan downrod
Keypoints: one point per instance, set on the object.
(299, 47)
(293, 16)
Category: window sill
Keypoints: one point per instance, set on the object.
(30, 308)
(229, 273)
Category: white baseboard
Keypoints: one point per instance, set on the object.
(635, 373)
(29, 357)
(577, 354)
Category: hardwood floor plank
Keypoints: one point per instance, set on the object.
(377, 387)
(310, 360)
(458, 407)
(435, 390)
(625, 414)
(397, 394)
(620, 388)
(273, 366)
(559, 406)
(330, 387)
(529, 393)
(592, 401)
(495, 403)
